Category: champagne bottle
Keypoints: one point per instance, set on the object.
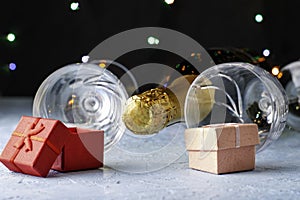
(154, 109)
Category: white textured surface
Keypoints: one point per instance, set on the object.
(276, 175)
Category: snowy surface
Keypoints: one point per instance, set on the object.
(276, 175)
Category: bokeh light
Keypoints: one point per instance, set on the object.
(152, 40)
(12, 66)
(259, 18)
(275, 70)
(169, 1)
(279, 75)
(74, 6)
(11, 37)
(85, 59)
(266, 52)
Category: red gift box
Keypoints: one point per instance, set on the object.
(84, 150)
(34, 145)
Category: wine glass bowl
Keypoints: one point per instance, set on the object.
(239, 93)
(290, 80)
(84, 95)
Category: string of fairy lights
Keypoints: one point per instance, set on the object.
(11, 38)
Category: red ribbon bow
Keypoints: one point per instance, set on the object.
(30, 130)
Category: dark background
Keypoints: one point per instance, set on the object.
(50, 35)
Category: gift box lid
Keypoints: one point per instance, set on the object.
(221, 136)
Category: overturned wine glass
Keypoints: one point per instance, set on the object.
(87, 95)
(290, 79)
(238, 93)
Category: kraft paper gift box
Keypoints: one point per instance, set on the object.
(222, 148)
(83, 150)
(34, 145)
